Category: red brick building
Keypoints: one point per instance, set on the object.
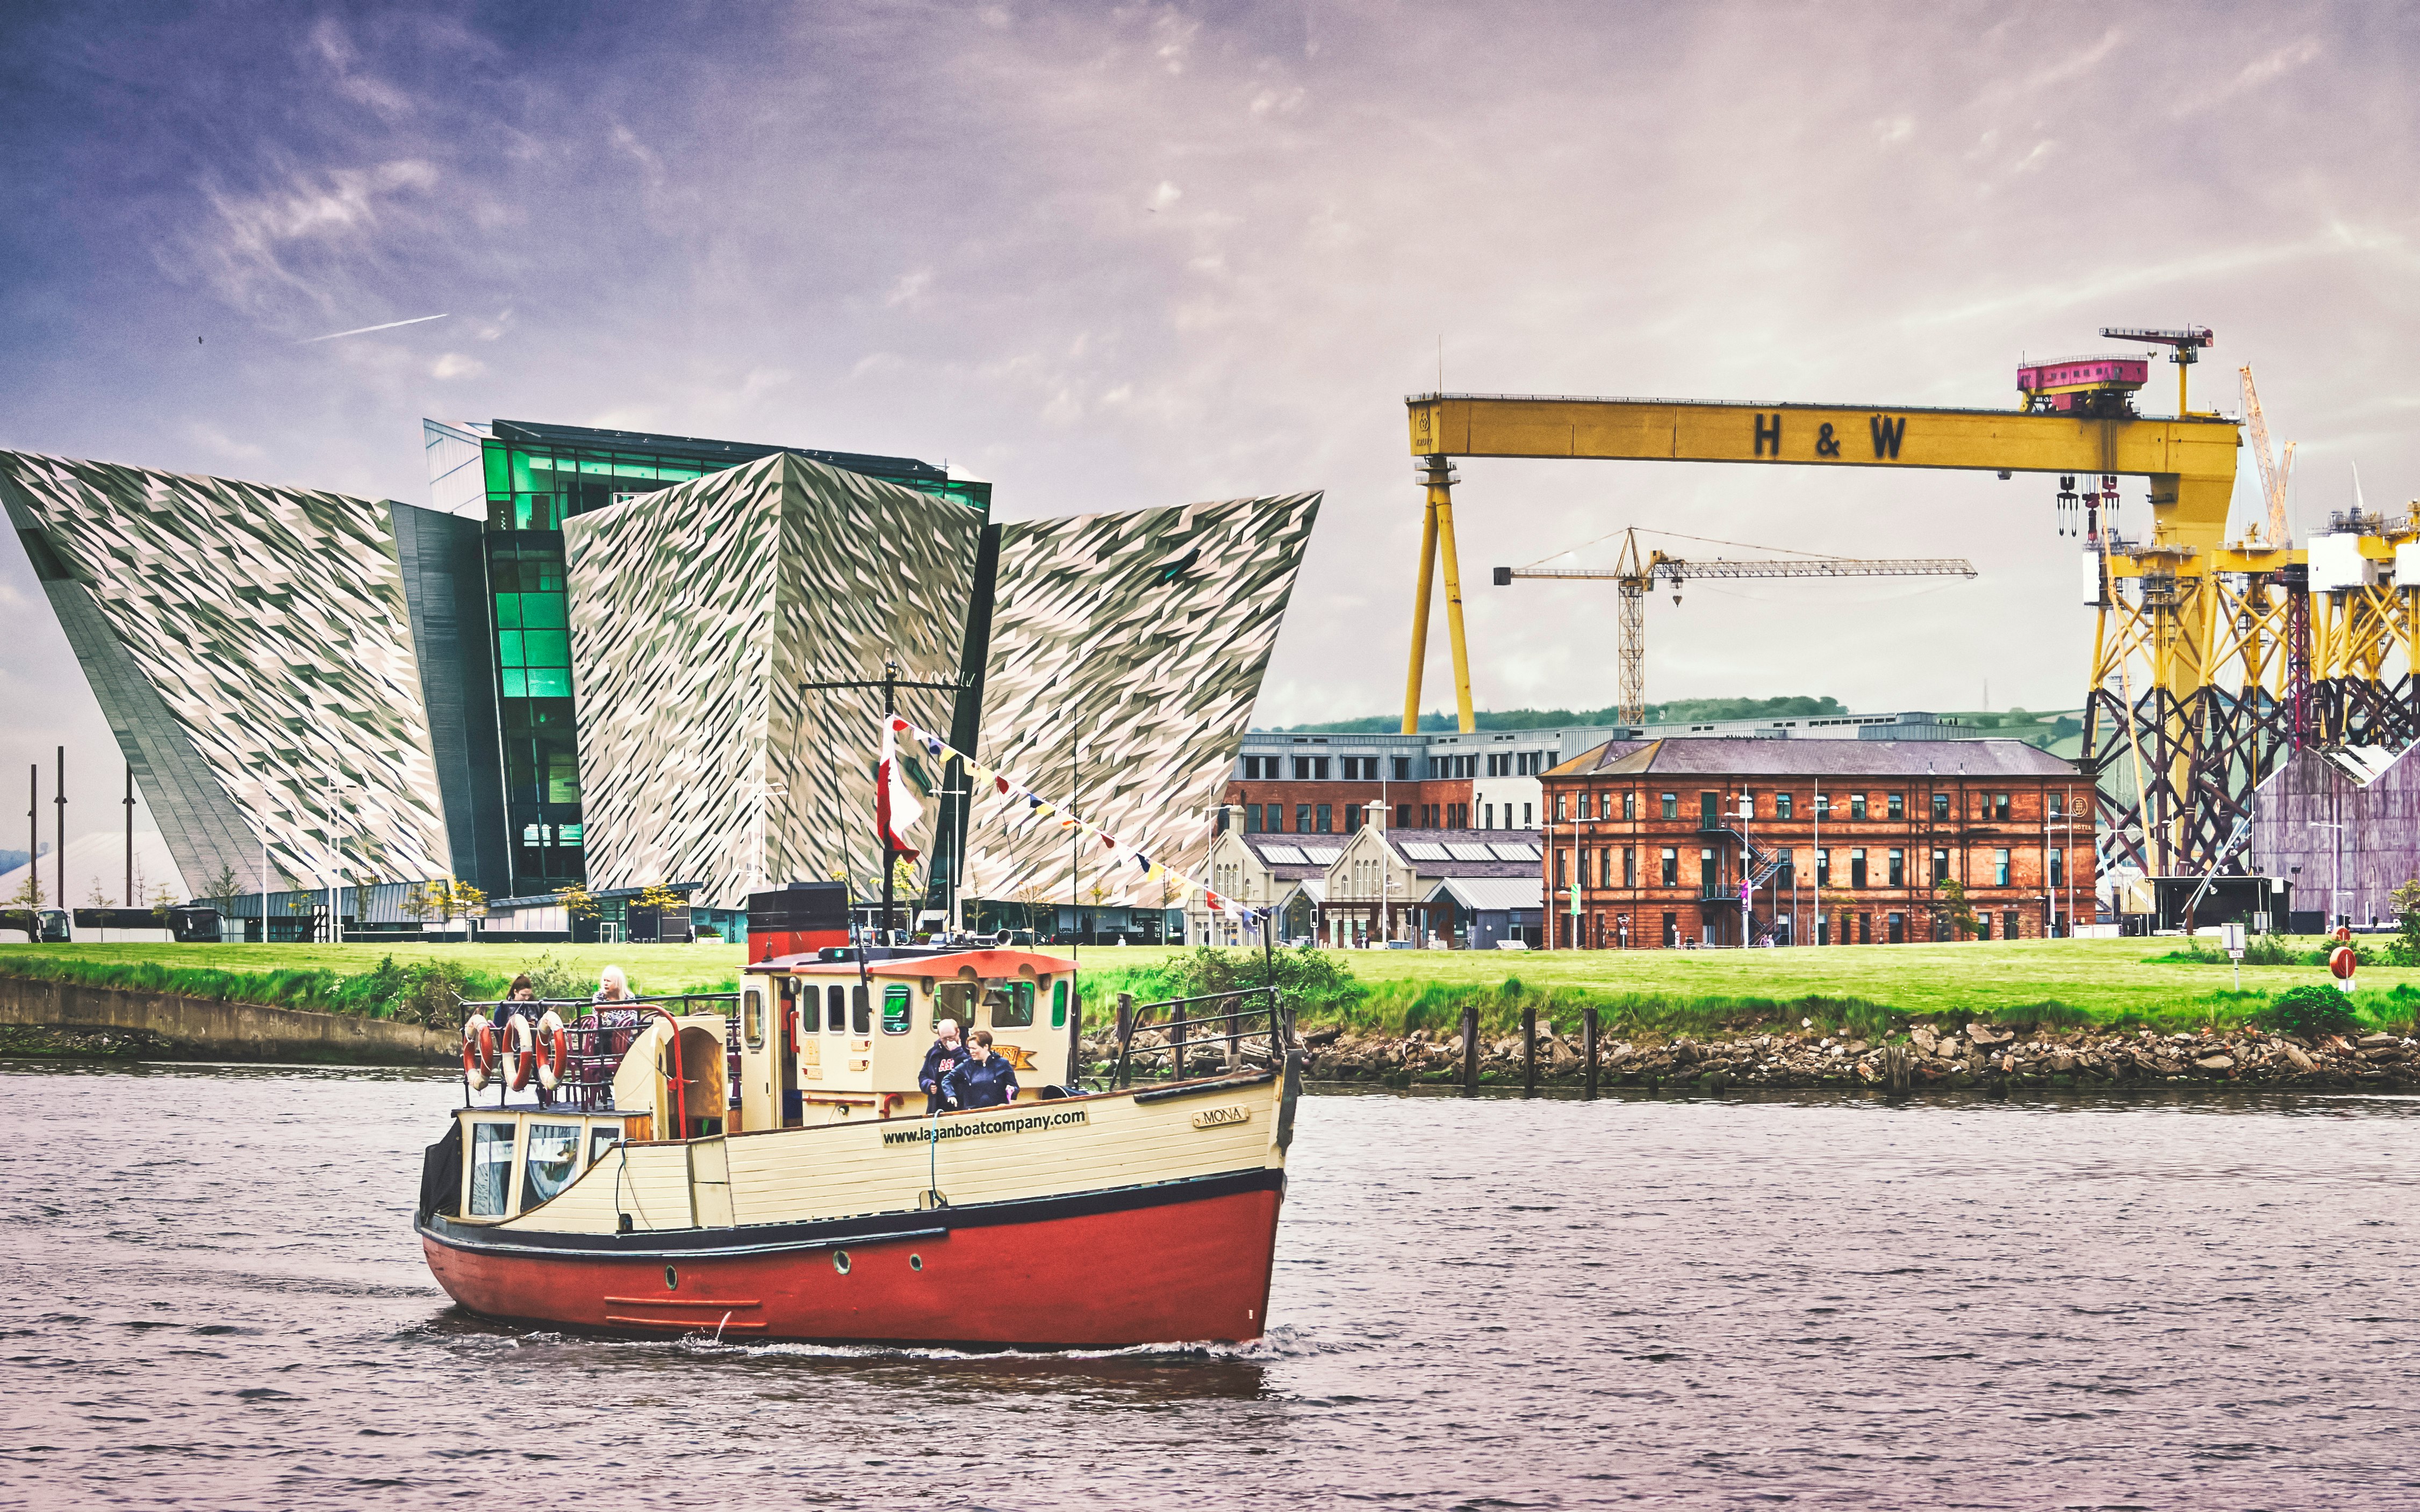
(1731, 842)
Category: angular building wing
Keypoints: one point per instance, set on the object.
(1126, 651)
(696, 614)
(251, 648)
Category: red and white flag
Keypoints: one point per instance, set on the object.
(895, 809)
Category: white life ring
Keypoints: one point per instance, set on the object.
(553, 1050)
(521, 1052)
(478, 1052)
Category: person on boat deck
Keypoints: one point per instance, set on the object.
(985, 1081)
(613, 986)
(943, 1057)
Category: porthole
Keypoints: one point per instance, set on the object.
(840, 1261)
(671, 1279)
(915, 1262)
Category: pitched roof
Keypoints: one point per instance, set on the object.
(1294, 857)
(1482, 853)
(1490, 894)
(1818, 758)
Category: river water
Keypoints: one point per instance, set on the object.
(212, 1299)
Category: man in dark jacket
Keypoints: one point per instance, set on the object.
(986, 1081)
(942, 1059)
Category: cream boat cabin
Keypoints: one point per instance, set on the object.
(784, 1161)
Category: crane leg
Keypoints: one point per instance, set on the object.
(1420, 618)
(1441, 506)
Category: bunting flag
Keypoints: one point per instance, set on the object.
(892, 797)
(895, 809)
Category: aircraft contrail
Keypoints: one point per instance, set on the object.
(367, 330)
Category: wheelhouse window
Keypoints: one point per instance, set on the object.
(835, 1009)
(492, 1168)
(752, 1016)
(1058, 1003)
(860, 1010)
(1011, 1004)
(898, 1009)
(552, 1161)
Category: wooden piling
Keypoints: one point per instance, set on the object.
(1588, 1037)
(1529, 1051)
(1470, 1049)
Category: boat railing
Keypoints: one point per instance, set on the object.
(1165, 1040)
(597, 1034)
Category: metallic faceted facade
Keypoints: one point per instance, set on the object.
(252, 650)
(1125, 652)
(697, 611)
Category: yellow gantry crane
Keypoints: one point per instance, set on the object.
(1634, 576)
(2200, 644)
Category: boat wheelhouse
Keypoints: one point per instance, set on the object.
(763, 1164)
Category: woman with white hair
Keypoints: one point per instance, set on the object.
(613, 986)
(941, 1060)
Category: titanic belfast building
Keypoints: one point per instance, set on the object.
(595, 658)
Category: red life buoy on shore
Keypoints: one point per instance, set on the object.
(521, 1052)
(553, 1050)
(2343, 963)
(478, 1052)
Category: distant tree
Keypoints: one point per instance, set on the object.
(578, 901)
(450, 898)
(1954, 907)
(97, 898)
(29, 893)
(161, 900)
(657, 896)
(221, 889)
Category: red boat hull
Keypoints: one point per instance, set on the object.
(1153, 1268)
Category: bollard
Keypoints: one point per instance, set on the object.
(1470, 1049)
(1529, 1051)
(1588, 1033)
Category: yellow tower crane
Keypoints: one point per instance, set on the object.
(1634, 576)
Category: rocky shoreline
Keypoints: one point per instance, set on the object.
(1975, 1053)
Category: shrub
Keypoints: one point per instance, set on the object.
(2309, 1013)
(2268, 950)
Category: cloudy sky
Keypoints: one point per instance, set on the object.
(1121, 255)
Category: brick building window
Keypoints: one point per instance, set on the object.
(1940, 867)
(2053, 806)
(2058, 867)
(1857, 806)
(1822, 868)
(1898, 806)
(1781, 806)
(1403, 816)
(2001, 808)
(1326, 815)
(1857, 868)
(1671, 805)
(1352, 818)
(1898, 868)
(1302, 818)
(1898, 929)
(1823, 807)
(1629, 868)
(1788, 876)
(1671, 871)
(1747, 806)
(1941, 808)
(1999, 869)
(1562, 806)
(1629, 804)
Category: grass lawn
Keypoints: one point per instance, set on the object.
(2102, 980)
(2099, 980)
(652, 969)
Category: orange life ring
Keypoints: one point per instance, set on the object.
(478, 1052)
(2343, 963)
(553, 1050)
(522, 1054)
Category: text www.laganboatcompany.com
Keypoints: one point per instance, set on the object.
(989, 1126)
